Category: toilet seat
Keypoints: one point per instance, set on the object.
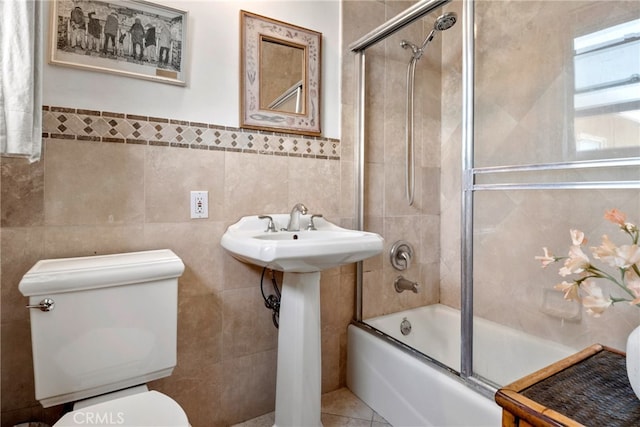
(147, 409)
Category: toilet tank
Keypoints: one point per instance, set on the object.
(113, 323)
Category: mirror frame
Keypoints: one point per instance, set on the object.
(253, 28)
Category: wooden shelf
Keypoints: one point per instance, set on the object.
(589, 388)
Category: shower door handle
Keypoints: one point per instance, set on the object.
(46, 304)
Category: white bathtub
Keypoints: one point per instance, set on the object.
(408, 391)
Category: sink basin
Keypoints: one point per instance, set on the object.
(301, 251)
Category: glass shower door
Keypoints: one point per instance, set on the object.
(412, 224)
(556, 145)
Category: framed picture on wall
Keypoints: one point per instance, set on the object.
(128, 37)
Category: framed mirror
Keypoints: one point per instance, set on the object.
(279, 76)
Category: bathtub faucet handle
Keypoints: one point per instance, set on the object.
(400, 255)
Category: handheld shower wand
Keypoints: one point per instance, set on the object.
(443, 22)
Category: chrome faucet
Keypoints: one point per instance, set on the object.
(294, 218)
(401, 284)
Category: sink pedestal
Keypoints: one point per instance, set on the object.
(298, 387)
(301, 255)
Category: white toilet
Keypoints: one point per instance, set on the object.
(102, 327)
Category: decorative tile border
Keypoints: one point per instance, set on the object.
(104, 126)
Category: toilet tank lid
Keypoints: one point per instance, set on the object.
(52, 276)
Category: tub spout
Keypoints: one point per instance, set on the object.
(401, 284)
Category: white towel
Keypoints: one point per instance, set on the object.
(21, 50)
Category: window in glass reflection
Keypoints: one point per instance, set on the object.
(607, 92)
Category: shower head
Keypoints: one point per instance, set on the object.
(445, 21)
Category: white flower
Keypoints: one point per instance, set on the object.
(633, 283)
(547, 259)
(622, 257)
(570, 290)
(625, 259)
(594, 301)
(576, 263)
(577, 237)
(628, 255)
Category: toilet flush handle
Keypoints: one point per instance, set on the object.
(46, 304)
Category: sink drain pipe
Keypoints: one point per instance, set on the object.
(272, 301)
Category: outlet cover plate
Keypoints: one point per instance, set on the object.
(199, 204)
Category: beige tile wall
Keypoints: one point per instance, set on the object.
(88, 196)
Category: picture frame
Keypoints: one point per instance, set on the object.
(132, 38)
(293, 107)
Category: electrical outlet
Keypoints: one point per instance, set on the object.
(199, 204)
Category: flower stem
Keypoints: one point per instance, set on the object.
(597, 273)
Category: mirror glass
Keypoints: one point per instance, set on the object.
(280, 76)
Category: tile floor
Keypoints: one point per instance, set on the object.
(340, 408)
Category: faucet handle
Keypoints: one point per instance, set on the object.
(271, 227)
(311, 225)
(400, 255)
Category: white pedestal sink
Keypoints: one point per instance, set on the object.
(301, 255)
